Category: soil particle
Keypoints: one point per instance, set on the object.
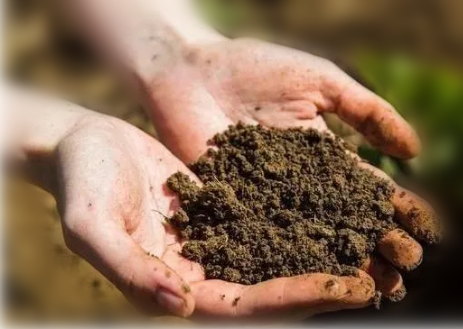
(186, 288)
(278, 203)
(329, 284)
(377, 300)
(397, 295)
(235, 301)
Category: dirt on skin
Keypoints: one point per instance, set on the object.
(278, 203)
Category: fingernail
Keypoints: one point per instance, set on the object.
(169, 301)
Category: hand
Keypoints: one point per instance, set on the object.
(219, 84)
(114, 201)
(194, 83)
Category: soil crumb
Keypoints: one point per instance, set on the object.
(278, 203)
(377, 300)
(398, 295)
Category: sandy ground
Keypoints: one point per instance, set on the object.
(44, 279)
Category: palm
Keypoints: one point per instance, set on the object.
(113, 202)
(117, 200)
(258, 82)
(266, 89)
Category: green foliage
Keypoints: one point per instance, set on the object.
(225, 16)
(429, 97)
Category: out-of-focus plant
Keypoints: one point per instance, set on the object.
(431, 98)
(226, 16)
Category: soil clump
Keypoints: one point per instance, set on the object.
(279, 203)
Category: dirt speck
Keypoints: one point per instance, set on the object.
(329, 284)
(186, 288)
(235, 301)
(377, 299)
(397, 295)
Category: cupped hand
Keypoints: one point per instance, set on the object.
(114, 204)
(215, 85)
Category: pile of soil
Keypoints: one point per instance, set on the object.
(278, 203)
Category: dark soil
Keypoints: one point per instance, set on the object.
(278, 203)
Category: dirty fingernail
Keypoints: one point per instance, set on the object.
(169, 301)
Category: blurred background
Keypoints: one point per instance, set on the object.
(408, 51)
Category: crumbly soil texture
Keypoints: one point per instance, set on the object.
(278, 203)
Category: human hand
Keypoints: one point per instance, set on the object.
(194, 83)
(114, 201)
(255, 82)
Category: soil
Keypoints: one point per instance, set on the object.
(278, 203)
(44, 282)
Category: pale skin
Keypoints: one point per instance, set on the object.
(109, 180)
(194, 83)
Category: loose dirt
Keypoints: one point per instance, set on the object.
(279, 203)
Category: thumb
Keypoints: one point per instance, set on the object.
(294, 297)
(145, 280)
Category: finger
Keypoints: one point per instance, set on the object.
(387, 279)
(373, 117)
(145, 280)
(401, 250)
(306, 294)
(417, 216)
(412, 212)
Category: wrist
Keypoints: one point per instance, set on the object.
(37, 124)
(175, 32)
(183, 18)
(144, 38)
